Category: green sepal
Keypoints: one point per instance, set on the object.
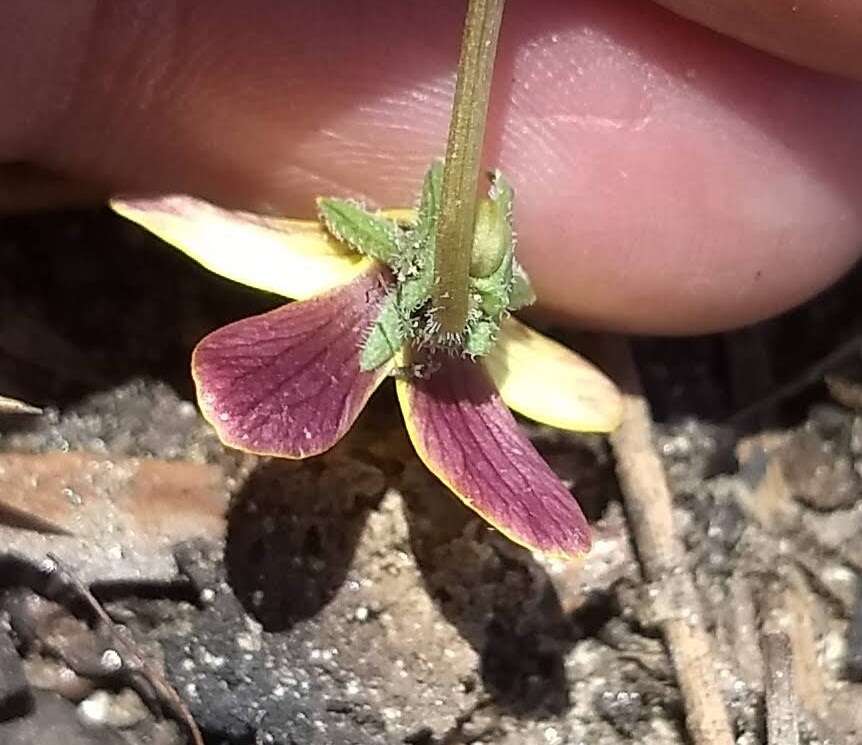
(386, 337)
(522, 291)
(495, 291)
(498, 284)
(413, 293)
(416, 282)
(366, 233)
(492, 235)
(429, 203)
(480, 338)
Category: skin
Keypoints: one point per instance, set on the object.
(669, 177)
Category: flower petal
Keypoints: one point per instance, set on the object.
(294, 258)
(467, 437)
(14, 406)
(287, 383)
(549, 383)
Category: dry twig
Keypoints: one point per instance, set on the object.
(14, 406)
(650, 515)
(782, 727)
(811, 375)
(798, 695)
(131, 661)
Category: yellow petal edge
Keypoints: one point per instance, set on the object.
(293, 258)
(402, 389)
(548, 383)
(536, 376)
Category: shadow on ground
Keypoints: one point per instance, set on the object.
(292, 535)
(496, 594)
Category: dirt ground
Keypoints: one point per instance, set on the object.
(349, 598)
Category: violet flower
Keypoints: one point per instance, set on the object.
(290, 383)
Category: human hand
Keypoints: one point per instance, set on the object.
(668, 179)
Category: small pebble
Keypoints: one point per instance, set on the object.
(122, 710)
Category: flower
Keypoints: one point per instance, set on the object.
(291, 382)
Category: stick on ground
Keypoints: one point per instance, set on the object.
(782, 727)
(14, 406)
(650, 515)
(813, 374)
(129, 657)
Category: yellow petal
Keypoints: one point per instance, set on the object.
(549, 383)
(14, 406)
(401, 215)
(293, 258)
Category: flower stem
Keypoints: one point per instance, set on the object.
(461, 168)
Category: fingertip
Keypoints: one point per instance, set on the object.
(672, 181)
(822, 35)
(667, 179)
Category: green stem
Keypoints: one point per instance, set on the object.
(461, 168)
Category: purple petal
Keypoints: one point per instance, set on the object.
(288, 382)
(467, 437)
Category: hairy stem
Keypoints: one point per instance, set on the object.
(461, 168)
